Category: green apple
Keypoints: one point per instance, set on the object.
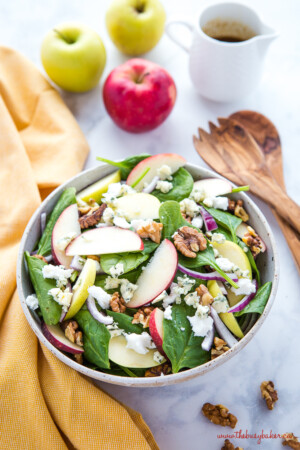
(228, 318)
(73, 56)
(135, 26)
(96, 190)
(237, 256)
(80, 289)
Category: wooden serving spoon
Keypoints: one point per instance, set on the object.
(267, 137)
(233, 152)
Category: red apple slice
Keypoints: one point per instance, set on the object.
(157, 275)
(100, 241)
(66, 225)
(213, 187)
(56, 337)
(172, 160)
(156, 328)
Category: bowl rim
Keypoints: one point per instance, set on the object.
(144, 381)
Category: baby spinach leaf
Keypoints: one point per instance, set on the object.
(66, 199)
(171, 218)
(205, 258)
(257, 305)
(129, 260)
(127, 164)
(182, 187)
(51, 310)
(180, 344)
(251, 260)
(95, 339)
(225, 219)
(124, 322)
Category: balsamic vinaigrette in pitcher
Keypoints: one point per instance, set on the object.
(228, 30)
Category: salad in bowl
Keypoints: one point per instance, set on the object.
(149, 271)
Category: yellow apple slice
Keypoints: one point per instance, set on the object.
(228, 318)
(237, 256)
(80, 289)
(96, 190)
(139, 206)
(123, 356)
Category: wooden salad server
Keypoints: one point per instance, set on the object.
(233, 152)
(267, 137)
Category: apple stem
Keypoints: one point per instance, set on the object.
(63, 36)
(140, 79)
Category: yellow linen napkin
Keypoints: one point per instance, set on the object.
(44, 404)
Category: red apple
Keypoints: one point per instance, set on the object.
(139, 95)
(156, 328)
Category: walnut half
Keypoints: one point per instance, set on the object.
(189, 241)
(220, 348)
(151, 231)
(269, 393)
(219, 415)
(117, 303)
(229, 446)
(205, 297)
(156, 371)
(143, 316)
(92, 217)
(291, 441)
(70, 328)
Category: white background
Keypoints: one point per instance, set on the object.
(173, 413)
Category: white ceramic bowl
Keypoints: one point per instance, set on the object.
(267, 262)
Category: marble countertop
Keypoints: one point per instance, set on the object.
(174, 413)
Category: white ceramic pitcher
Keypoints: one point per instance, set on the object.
(224, 71)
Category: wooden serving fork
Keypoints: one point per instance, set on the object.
(231, 151)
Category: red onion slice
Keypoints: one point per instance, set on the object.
(245, 301)
(208, 340)
(222, 329)
(206, 276)
(91, 306)
(43, 222)
(151, 186)
(209, 221)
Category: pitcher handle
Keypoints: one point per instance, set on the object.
(183, 22)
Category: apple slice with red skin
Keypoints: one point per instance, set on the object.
(157, 275)
(213, 187)
(156, 329)
(56, 337)
(172, 160)
(67, 224)
(101, 241)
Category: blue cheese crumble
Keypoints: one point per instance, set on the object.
(165, 172)
(63, 298)
(117, 270)
(245, 287)
(189, 207)
(168, 313)
(164, 186)
(219, 238)
(32, 302)
(140, 343)
(201, 322)
(220, 304)
(58, 273)
(158, 357)
(216, 202)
